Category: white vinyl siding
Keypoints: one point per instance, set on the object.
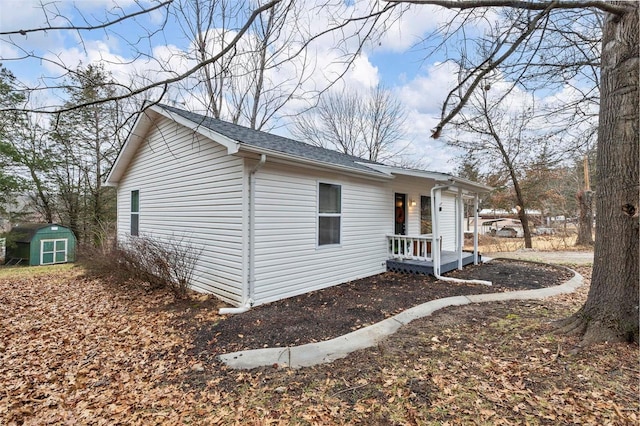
(288, 260)
(448, 222)
(190, 190)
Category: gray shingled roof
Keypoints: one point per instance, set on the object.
(260, 139)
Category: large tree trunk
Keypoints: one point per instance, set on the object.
(585, 223)
(611, 310)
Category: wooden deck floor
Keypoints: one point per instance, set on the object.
(448, 262)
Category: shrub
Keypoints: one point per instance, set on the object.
(158, 263)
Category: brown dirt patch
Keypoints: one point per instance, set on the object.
(331, 312)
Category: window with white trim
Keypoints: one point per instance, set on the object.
(135, 211)
(329, 213)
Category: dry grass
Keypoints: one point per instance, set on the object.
(490, 244)
(79, 350)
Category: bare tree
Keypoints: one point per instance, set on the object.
(245, 60)
(154, 85)
(368, 127)
(263, 72)
(611, 310)
(508, 141)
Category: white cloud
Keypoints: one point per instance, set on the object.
(412, 26)
(433, 154)
(426, 93)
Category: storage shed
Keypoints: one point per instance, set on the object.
(40, 244)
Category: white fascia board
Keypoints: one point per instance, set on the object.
(231, 145)
(441, 178)
(320, 165)
(391, 170)
(471, 185)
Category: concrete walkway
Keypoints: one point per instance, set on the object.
(330, 350)
(556, 257)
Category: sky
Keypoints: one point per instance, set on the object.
(396, 60)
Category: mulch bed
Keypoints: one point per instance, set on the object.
(334, 311)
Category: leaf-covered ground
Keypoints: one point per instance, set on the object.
(75, 350)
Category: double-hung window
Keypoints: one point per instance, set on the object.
(329, 213)
(135, 212)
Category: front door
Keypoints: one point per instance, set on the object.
(400, 203)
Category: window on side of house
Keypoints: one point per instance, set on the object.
(329, 213)
(135, 211)
(425, 215)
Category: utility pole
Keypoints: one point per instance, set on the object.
(585, 203)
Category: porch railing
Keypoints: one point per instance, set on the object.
(419, 247)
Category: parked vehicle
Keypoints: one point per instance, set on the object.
(507, 232)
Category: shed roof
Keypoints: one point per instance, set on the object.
(24, 232)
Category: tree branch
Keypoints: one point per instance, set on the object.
(523, 4)
(493, 65)
(166, 82)
(88, 27)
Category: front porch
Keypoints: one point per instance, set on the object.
(448, 262)
(416, 255)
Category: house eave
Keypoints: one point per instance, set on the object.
(320, 165)
(232, 146)
(140, 130)
(438, 177)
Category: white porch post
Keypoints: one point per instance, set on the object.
(475, 229)
(460, 227)
(435, 227)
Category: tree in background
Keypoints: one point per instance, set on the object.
(509, 143)
(10, 123)
(246, 85)
(367, 127)
(611, 310)
(244, 60)
(30, 151)
(87, 142)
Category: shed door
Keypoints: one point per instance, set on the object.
(53, 251)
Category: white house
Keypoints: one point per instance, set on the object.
(275, 217)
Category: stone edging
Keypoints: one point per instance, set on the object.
(339, 347)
